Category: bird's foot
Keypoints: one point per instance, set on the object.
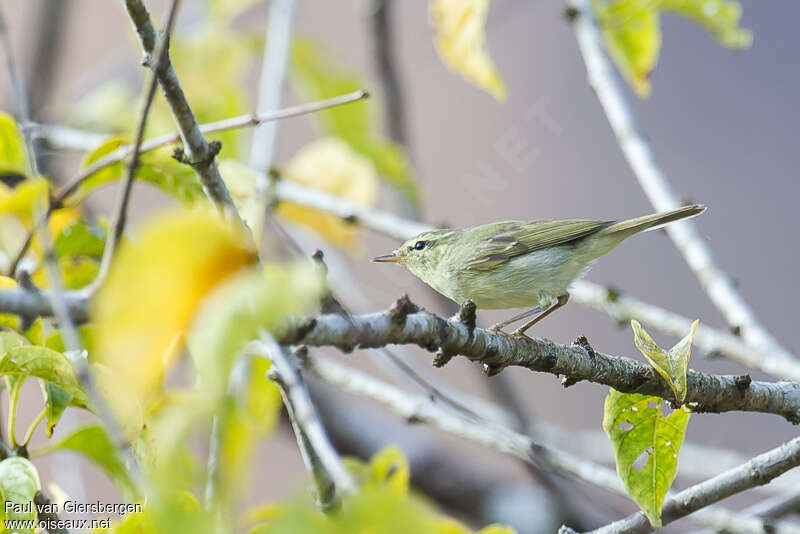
(496, 328)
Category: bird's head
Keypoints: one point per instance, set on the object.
(423, 254)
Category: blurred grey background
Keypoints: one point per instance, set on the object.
(723, 126)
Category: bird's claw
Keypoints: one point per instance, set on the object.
(495, 328)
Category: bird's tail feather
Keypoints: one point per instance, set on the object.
(654, 221)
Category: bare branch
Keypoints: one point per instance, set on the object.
(717, 284)
(402, 324)
(32, 303)
(713, 341)
(320, 457)
(199, 153)
(121, 211)
(270, 86)
(758, 471)
(421, 409)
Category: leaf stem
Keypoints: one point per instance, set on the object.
(34, 425)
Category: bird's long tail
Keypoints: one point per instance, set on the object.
(651, 222)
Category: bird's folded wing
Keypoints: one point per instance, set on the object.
(518, 238)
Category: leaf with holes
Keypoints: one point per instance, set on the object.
(671, 365)
(646, 446)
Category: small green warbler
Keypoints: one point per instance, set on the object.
(516, 264)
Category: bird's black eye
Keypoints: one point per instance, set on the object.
(419, 245)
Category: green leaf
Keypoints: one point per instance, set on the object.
(633, 38)
(13, 159)
(93, 442)
(637, 430)
(35, 332)
(670, 365)
(56, 400)
(19, 482)
(103, 176)
(720, 17)
(318, 79)
(46, 364)
(80, 239)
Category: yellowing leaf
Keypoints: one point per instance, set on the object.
(152, 294)
(638, 431)
(461, 42)
(8, 319)
(25, 200)
(670, 365)
(720, 17)
(330, 165)
(13, 158)
(633, 38)
(390, 467)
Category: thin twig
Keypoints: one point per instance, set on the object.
(242, 121)
(402, 324)
(121, 211)
(420, 409)
(321, 459)
(198, 152)
(711, 340)
(757, 471)
(717, 284)
(270, 86)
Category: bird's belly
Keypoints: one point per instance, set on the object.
(529, 280)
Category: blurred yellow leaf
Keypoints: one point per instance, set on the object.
(633, 38)
(151, 296)
(25, 200)
(12, 147)
(241, 181)
(8, 319)
(720, 17)
(330, 165)
(461, 42)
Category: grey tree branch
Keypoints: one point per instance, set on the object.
(403, 324)
(198, 152)
(415, 408)
(757, 471)
(270, 86)
(121, 211)
(330, 475)
(684, 234)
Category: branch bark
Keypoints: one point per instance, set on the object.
(403, 324)
(330, 474)
(199, 154)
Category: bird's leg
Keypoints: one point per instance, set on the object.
(499, 326)
(520, 332)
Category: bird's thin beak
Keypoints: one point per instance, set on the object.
(387, 258)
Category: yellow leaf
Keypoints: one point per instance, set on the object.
(25, 200)
(8, 319)
(13, 159)
(330, 165)
(461, 42)
(633, 39)
(151, 296)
